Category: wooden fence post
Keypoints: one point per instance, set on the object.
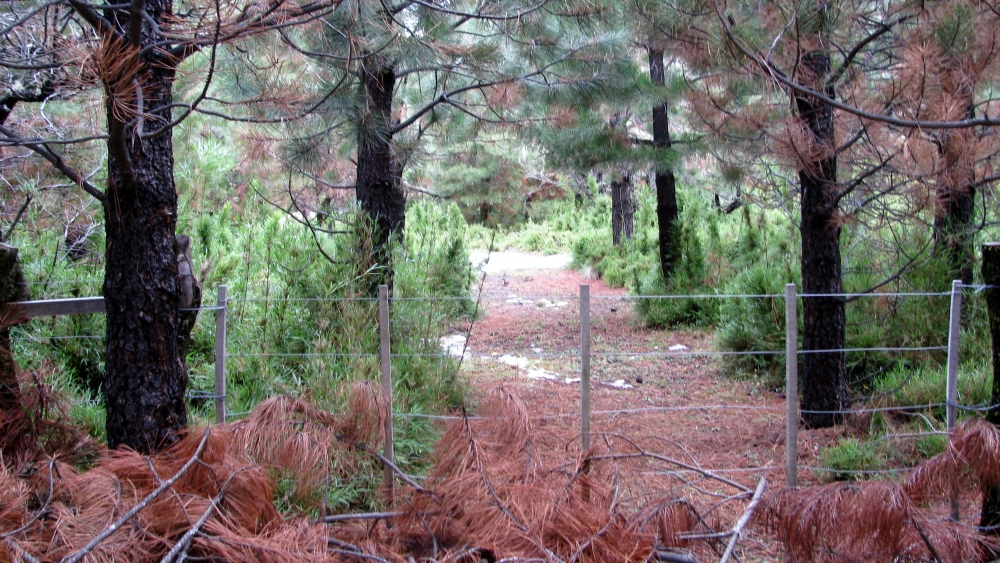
(383, 325)
(791, 385)
(951, 394)
(220, 357)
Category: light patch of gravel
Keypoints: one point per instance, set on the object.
(507, 261)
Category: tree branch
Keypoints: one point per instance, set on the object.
(59, 164)
(4, 237)
(778, 76)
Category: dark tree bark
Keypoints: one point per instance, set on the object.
(145, 382)
(990, 517)
(666, 184)
(12, 289)
(956, 195)
(824, 375)
(622, 212)
(378, 172)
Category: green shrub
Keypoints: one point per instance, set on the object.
(749, 324)
(849, 457)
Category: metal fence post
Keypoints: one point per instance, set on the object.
(951, 395)
(220, 357)
(584, 367)
(383, 325)
(791, 385)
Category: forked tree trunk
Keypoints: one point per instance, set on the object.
(622, 212)
(12, 289)
(378, 173)
(666, 184)
(824, 374)
(145, 383)
(990, 517)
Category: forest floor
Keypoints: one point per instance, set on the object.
(528, 341)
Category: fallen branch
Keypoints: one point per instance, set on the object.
(406, 478)
(738, 529)
(181, 547)
(41, 511)
(20, 553)
(79, 555)
(674, 556)
(360, 516)
(704, 472)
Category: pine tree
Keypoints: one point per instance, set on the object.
(459, 68)
(130, 53)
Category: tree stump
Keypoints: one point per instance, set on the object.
(12, 289)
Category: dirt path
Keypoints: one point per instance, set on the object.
(528, 341)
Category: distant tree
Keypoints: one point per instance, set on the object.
(130, 52)
(419, 75)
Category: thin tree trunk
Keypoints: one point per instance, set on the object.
(990, 517)
(378, 172)
(824, 375)
(12, 289)
(145, 383)
(666, 184)
(622, 212)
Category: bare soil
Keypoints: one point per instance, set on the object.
(711, 427)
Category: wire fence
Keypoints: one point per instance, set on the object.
(243, 347)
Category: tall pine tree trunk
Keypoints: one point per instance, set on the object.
(666, 185)
(824, 375)
(955, 188)
(145, 383)
(378, 172)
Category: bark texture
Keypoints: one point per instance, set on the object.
(955, 188)
(145, 381)
(622, 209)
(990, 517)
(824, 374)
(12, 289)
(378, 172)
(666, 184)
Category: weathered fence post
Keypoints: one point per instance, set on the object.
(584, 367)
(791, 385)
(220, 357)
(951, 394)
(383, 326)
(991, 277)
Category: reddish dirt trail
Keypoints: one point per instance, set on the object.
(741, 444)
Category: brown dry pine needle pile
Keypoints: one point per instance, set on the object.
(500, 489)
